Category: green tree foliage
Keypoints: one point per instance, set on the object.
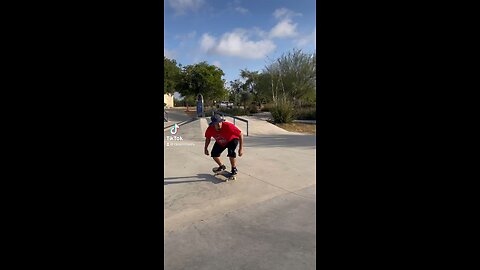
(189, 100)
(250, 85)
(236, 88)
(171, 73)
(245, 99)
(293, 77)
(204, 79)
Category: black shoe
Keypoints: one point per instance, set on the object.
(219, 169)
(234, 171)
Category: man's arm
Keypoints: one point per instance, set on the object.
(207, 142)
(240, 148)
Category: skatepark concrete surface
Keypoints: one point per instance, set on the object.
(176, 115)
(265, 219)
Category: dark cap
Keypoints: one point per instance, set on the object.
(216, 119)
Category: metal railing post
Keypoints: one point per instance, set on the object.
(234, 118)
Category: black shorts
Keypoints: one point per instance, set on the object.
(218, 149)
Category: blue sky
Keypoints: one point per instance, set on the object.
(237, 34)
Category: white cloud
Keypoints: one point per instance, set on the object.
(237, 44)
(207, 42)
(241, 10)
(285, 13)
(260, 33)
(308, 39)
(285, 28)
(182, 6)
(280, 12)
(216, 63)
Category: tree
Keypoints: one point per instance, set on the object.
(250, 85)
(236, 88)
(204, 79)
(245, 98)
(171, 75)
(293, 76)
(262, 88)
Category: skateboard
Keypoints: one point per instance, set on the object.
(224, 175)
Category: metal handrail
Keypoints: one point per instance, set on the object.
(234, 117)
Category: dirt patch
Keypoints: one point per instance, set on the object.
(299, 127)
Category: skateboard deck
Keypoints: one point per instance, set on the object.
(224, 175)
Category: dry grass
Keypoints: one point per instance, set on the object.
(299, 127)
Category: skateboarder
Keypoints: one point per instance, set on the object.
(227, 136)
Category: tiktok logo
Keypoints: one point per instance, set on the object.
(174, 129)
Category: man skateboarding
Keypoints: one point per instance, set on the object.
(227, 136)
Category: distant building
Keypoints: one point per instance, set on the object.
(168, 98)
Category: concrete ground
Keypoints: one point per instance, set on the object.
(263, 220)
(176, 115)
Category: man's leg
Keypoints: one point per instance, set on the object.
(216, 151)
(233, 162)
(232, 146)
(217, 159)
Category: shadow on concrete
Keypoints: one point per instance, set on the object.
(193, 179)
(308, 141)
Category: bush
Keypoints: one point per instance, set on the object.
(253, 108)
(306, 114)
(308, 105)
(208, 113)
(267, 107)
(235, 111)
(283, 113)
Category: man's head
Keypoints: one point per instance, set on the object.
(216, 121)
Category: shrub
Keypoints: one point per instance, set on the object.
(306, 114)
(308, 105)
(253, 108)
(208, 113)
(283, 113)
(233, 111)
(267, 107)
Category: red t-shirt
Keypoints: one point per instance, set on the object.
(227, 133)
